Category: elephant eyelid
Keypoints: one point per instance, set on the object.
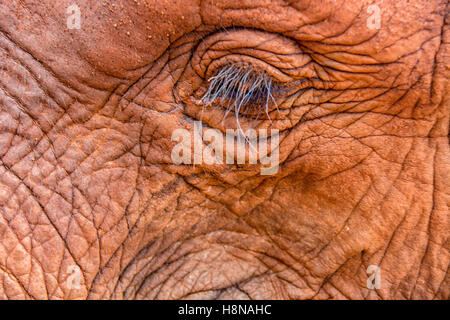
(240, 88)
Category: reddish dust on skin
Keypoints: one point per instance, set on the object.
(92, 205)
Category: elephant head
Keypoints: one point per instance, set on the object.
(114, 115)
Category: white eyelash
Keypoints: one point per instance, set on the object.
(239, 85)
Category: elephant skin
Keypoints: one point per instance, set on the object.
(92, 205)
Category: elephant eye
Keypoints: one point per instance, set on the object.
(242, 89)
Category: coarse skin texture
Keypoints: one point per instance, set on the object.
(87, 180)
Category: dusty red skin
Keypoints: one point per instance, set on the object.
(86, 177)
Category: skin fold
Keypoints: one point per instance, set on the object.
(88, 187)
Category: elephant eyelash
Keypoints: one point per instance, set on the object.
(240, 89)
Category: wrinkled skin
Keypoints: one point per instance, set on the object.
(87, 181)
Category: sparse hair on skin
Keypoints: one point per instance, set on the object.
(240, 88)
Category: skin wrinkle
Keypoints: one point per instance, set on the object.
(123, 242)
(37, 201)
(197, 280)
(31, 192)
(224, 289)
(428, 225)
(243, 281)
(137, 273)
(9, 272)
(144, 135)
(387, 192)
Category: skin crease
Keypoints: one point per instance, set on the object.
(87, 182)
